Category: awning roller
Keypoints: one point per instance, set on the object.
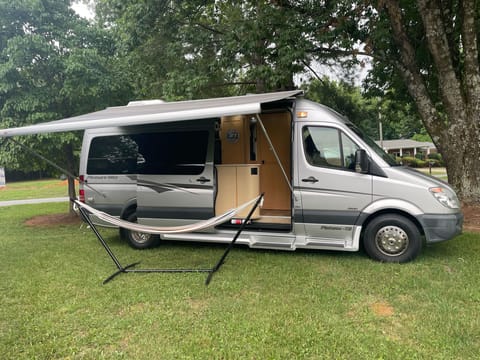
(156, 113)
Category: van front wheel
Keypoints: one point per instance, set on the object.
(392, 238)
(139, 240)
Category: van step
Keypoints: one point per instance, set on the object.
(272, 245)
(280, 242)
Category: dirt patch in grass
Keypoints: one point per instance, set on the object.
(382, 309)
(53, 220)
(472, 218)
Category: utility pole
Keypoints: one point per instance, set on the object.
(380, 128)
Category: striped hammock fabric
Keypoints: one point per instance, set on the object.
(165, 230)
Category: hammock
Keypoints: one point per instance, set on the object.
(165, 230)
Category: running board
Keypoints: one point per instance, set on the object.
(276, 242)
(326, 244)
(206, 237)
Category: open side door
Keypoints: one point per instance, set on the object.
(256, 158)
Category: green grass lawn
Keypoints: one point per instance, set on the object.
(440, 172)
(260, 305)
(33, 189)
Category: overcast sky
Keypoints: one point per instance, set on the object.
(83, 10)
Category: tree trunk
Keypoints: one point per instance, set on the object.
(455, 128)
(461, 152)
(70, 163)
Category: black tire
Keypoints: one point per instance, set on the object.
(392, 238)
(138, 240)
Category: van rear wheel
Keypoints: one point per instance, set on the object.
(139, 240)
(392, 238)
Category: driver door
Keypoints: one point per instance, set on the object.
(332, 193)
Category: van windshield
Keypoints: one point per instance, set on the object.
(389, 159)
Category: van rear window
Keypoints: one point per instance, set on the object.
(112, 155)
(172, 153)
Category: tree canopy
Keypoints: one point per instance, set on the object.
(424, 61)
(53, 65)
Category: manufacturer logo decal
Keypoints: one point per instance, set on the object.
(233, 136)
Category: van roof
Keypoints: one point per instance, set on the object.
(157, 112)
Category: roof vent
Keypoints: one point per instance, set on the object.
(146, 102)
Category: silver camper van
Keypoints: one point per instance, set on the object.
(325, 184)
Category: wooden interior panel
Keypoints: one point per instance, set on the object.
(237, 184)
(272, 181)
(235, 140)
(226, 189)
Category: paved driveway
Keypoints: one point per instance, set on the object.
(33, 201)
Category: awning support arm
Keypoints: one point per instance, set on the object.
(50, 162)
(41, 157)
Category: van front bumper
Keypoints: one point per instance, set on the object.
(441, 227)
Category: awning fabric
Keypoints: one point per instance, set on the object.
(156, 113)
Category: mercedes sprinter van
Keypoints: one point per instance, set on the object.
(325, 184)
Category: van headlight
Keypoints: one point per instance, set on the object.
(445, 197)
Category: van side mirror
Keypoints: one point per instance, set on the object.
(361, 161)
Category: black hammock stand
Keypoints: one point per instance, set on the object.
(130, 267)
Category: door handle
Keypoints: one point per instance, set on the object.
(310, 179)
(203, 180)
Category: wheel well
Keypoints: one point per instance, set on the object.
(126, 212)
(391, 211)
(131, 208)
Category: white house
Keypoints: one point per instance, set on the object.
(407, 147)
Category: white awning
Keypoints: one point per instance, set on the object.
(156, 113)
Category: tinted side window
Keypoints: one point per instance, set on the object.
(169, 153)
(112, 155)
(325, 146)
(172, 153)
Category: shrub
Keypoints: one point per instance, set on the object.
(409, 161)
(421, 163)
(437, 159)
(413, 162)
(435, 156)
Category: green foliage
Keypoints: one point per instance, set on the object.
(398, 118)
(193, 49)
(347, 100)
(435, 156)
(413, 162)
(434, 163)
(52, 65)
(436, 159)
(423, 137)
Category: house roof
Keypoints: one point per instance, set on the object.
(404, 144)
